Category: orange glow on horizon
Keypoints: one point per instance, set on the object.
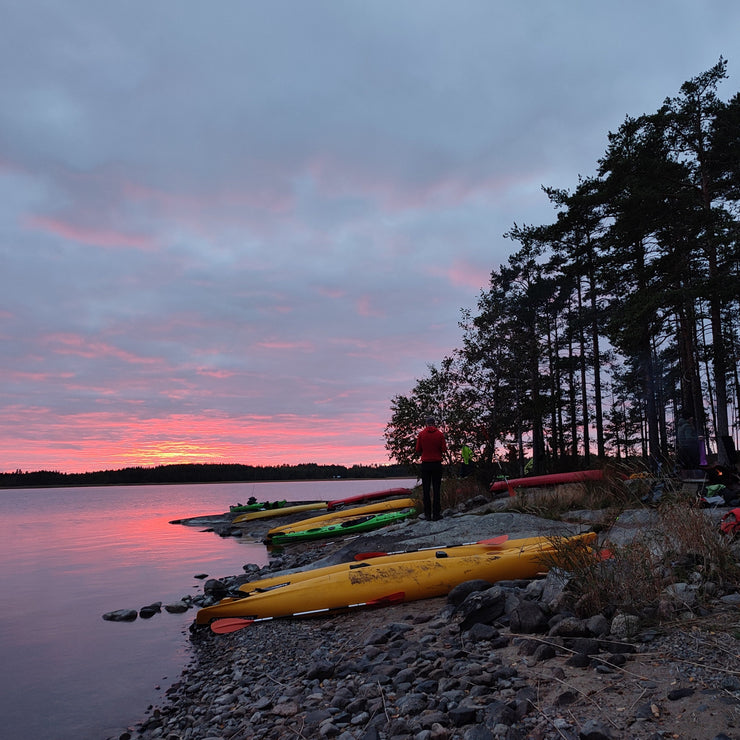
(102, 441)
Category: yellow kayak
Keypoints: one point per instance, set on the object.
(376, 582)
(283, 511)
(338, 516)
(473, 548)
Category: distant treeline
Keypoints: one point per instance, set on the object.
(200, 473)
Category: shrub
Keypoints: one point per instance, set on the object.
(684, 545)
(627, 578)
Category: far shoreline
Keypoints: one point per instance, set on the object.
(200, 483)
(198, 473)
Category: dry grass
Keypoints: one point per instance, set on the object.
(456, 491)
(685, 545)
(610, 495)
(692, 540)
(629, 579)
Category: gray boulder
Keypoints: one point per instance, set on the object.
(482, 607)
(528, 617)
(461, 592)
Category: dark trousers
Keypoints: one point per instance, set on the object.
(431, 481)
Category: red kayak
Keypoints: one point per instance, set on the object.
(363, 497)
(552, 479)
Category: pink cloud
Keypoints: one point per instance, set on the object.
(39, 377)
(276, 344)
(197, 210)
(94, 237)
(447, 190)
(220, 374)
(74, 344)
(462, 274)
(366, 308)
(332, 292)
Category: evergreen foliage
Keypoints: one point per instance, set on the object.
(203, 473)
(607, 324)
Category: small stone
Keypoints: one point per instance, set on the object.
(215, 587)
(680, 693)
(463, 715)
(479, 632)
(121, 615)
(566, 698)
(286, 709)
(177, 607)
(499, 713)
(320, 669)
(594, 729)
(146, 612)
(624, 625)
(579, 660)
(544, 652)
(570, 627)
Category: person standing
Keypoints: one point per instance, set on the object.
(466, 453)
(687, 442)
(431, 444)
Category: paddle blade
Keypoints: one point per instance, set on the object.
(368, 555)
(230, 624)
(395, 598)
(493, 541)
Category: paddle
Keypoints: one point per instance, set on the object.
(492, 542)
(230, 624)
(233, 624)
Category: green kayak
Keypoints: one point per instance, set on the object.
(348, 526)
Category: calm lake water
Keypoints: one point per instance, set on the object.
(68, 555)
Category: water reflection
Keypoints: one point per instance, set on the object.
(69, 555)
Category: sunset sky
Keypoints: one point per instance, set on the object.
(232, 231)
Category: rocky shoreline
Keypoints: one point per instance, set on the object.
(509, 661)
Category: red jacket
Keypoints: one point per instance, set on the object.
(431, 443)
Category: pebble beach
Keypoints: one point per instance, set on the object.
(504, 661)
